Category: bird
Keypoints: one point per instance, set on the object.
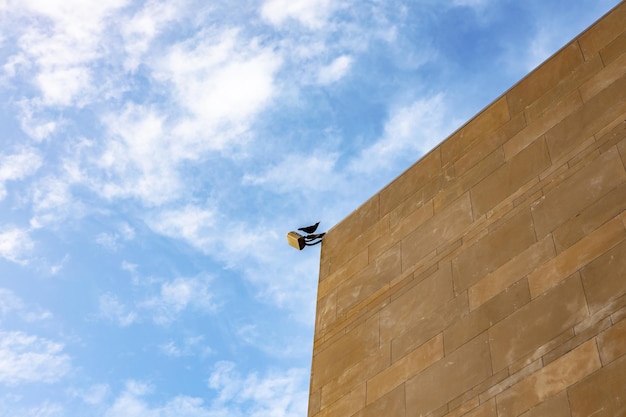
(310, 229)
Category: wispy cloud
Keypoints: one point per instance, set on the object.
(26, 358)
(410, 131)
(310, 13)
(16, 244)
(16, 166)
(12, 304)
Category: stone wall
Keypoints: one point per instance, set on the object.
(489, 279)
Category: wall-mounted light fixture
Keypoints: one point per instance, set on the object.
(299, 241)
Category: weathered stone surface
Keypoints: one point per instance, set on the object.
(493, 250)
(483, 124)
(605, 278)
(602, 394)
(441, 228)
(511, 272)
(556, 406)
(578, 192)
(347, 405)
(612, 342)
(355, 375)
(408, 309)
(411, 181)
(427, 327)
(537, 322)
(507, 179)
(596, 113)
(577, 256)
(486, 316)
(353, 347)
(549, 381)
(545, 77)
(392, 404)
(373, 277)
(458, 372)
(603, 32)
(598, 213)
(405, 368)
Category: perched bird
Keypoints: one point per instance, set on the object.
(310, 229)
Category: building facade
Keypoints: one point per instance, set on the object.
(489, 279)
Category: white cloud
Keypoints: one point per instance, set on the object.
(277, 394)
(299, 173)
(94, 395)
(15, 244)
(140, 31)
(26, 358)
(334, 71)
(190, 346)
(111, 308)
(12, 304)
(193, 224)
(178, 295)
(222, 82)
(17, 166)
(64, 46)
(112, 241)
(53, 202)
(310, 13)
(409, 132)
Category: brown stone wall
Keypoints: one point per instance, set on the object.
(490, 278)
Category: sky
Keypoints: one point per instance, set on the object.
(153, 155)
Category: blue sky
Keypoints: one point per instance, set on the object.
(153, 154)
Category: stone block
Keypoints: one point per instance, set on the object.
(602, 394)
(591, 118)
(604, 78)
(536, 323)
(355, 375)
(535, 129)
(349, 349)
(578, 191)
(393, 404)
(405, 368)
(544, 78)
(483, 124)
(603, 31)
(487, 409)
(589, 219)
(510, 177)
(372, 278)
(444, 227)
(556, 406)
(357, 223)
(401, 229)
(511, 272)
(614, 49)
(486, 316)
(605, 278)
(470, 178)
(488, 144)
(410, 182)
(577, 256)
(427, 327)
(569, 83)
(549, 381)
(330, 283)
(612, 342)
(347, 405)
(493, 250)
(418, 302)
(458, 372)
